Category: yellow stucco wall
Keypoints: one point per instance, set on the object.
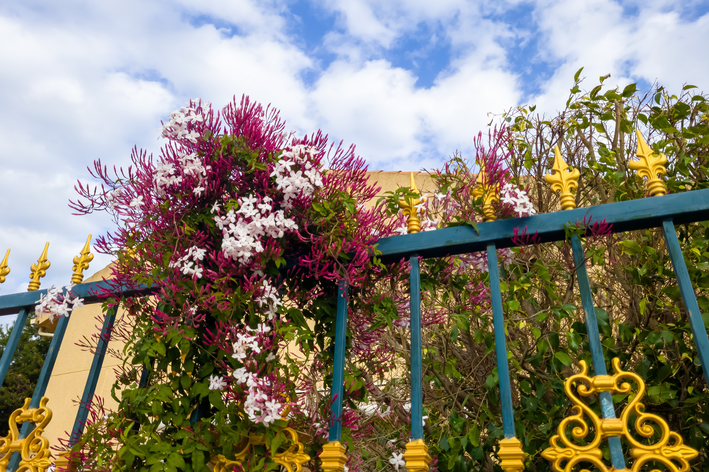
(73, 364)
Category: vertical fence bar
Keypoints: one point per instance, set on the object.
(594, 342)
(503, 370)
(416, 455)
(12, 343)
(338, 374)
(416, 367)
(510, 452)
(333, 454)
(689, 298)
(94, 373)
(42, 382)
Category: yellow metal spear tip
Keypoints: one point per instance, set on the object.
(643, 149)
(650, 166)
(81, 262)
(412, 183)
(563, 180)
(39, 270)
(4, 269)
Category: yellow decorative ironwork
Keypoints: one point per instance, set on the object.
(4, 269)
(564, 454)
(488, 192)
(34, 449)
(563, 180)
(81, 262)
(650, 166)
(408, 206)
(39, 270)
(292, 458)
(333, 457)
(416, 456)
(511, 455)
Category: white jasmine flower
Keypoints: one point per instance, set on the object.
(216, 383)
(397, 460)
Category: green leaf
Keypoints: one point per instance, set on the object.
(577, 75)
(563, 358)
(629, 90)
(689, 87)
(176, 460)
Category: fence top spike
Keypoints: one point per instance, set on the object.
(650, 166)
(39, 270)
(4, 269)
(488, 192)
(81, 262)
(563, 180)
(408, 206)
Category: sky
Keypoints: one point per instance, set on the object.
(407, 81)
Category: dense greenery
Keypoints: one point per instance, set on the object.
(641, 318)
(24, 371)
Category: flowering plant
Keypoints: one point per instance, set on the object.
(245, 230)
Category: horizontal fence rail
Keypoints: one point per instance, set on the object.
(688, 207)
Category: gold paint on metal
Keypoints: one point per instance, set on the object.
(511, 455)
(292, 458)
(4, 269)
(34, 449)
(563, 180)
(333, 457)
(669, 450)
(416, 456)
(650, 166)
(39, 270)
(81, 262)
(488, 192)
(408, 207)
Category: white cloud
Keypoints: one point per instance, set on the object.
(87, 79)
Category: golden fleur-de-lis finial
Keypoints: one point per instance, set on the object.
(39, 270)
(489, 194)
(81, 262)
(4, 269)
(408, 206)
(650, 166)
(563, 180)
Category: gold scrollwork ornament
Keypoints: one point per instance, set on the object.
(292, 459)
(564, 453)
(34, 449)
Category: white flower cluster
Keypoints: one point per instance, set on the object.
(270, 299)
(187, 264)
(518, 199)
(295, 183)
(55, 303)
(176, 127)
(243, 342)
(478, 260)
(243, 229)
(167, 175)
(217, 383)
(259, 408)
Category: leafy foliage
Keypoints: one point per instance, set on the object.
(23, 374)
